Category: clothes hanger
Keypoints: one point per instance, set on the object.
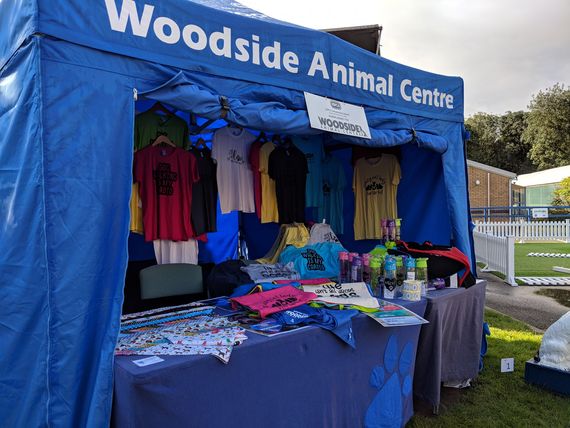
(158, 107)
(262, 138)
(200, 143)
(163, 139)
(276, 139)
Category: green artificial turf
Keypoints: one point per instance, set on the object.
(540, 266)
(503, 399)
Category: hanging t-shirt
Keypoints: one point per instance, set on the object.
(314, 261)
(375, 185)
(269, 212)
(312, 147)
(150, 125)
(165, 176)
(334, 183)
(288, 167)
(167, 252)
(204, 192)
(230, 148)
(254, 163)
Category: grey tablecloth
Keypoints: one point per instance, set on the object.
(450, 345)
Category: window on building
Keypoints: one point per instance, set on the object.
(540, 195)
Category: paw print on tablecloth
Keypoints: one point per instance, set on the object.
(394, 386)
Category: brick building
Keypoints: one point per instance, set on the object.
(490, 186)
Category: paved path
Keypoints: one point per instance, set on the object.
(522, 303)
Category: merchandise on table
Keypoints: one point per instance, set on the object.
(312, 147)
(288, 167)
(322, 232)
(412, 290)
(400, 275)
(389, 290)
(270, 272)
(392, 315)
(356, 294)
(314, 261)
(344, 267)
(375, 275)
(356, 269)
(269, 302)
(366, 272)
(334, 183)
(230, 148)
(295, 234)
(410, 264)
(166, 176)
(336, 321)
(422, 273)
(204, 192)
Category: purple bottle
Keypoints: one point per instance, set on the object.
(344, 267)
(391, 230)
(356, 275)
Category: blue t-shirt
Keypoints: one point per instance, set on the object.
(334, 183)
(314, 261)
(312, 147)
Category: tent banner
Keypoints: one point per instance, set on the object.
(227, 39)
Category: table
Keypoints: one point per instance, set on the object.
(306, 378)
(449, 348)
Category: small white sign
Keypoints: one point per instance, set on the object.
(335, 116)
(540, 213)
(507, 365)
(453, 281)
(147, 361)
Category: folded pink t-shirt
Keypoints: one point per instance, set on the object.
(315, 281)
(269, 302)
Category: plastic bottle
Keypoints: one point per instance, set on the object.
(410, 268)
(400, 275)
(375, 274)
(344, 267)
(398, 227)
(421, 273)
(391, 230)
(366, 268)
(384, 225)
(356, 275)
(389, 291)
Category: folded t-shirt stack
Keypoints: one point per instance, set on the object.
(272, 301)
(314, 261)
(270, 272)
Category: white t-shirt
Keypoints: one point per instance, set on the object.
(230, 148)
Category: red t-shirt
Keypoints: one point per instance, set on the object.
(165, 176)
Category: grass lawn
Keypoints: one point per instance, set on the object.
(503, 399)
(540, 266)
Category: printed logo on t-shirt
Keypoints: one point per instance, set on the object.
(164, 179)
(374, 185)
(286, 301)
(314, 260)
(235, 157)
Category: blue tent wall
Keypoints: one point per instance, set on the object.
(65, 184)
(24, 280)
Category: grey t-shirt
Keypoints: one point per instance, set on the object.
(268, 273)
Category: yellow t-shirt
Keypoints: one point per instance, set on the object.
(269, 211)
(375, 185)
(136, 211)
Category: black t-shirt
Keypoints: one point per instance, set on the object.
(288, 167)
(204, 192)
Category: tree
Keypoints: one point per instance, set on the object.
(562, 193)
(548, 127)
(497, 141)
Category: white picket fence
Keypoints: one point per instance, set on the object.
(498, 254)
(528, 231)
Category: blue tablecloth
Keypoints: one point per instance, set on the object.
(450, 345)
(307, 378)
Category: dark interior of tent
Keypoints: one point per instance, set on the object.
(242, 235)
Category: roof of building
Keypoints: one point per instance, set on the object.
(548, 176)
(490, 168)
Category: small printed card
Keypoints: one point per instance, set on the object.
(507, 365)
(147, 361)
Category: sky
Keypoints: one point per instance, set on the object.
(505, 50)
